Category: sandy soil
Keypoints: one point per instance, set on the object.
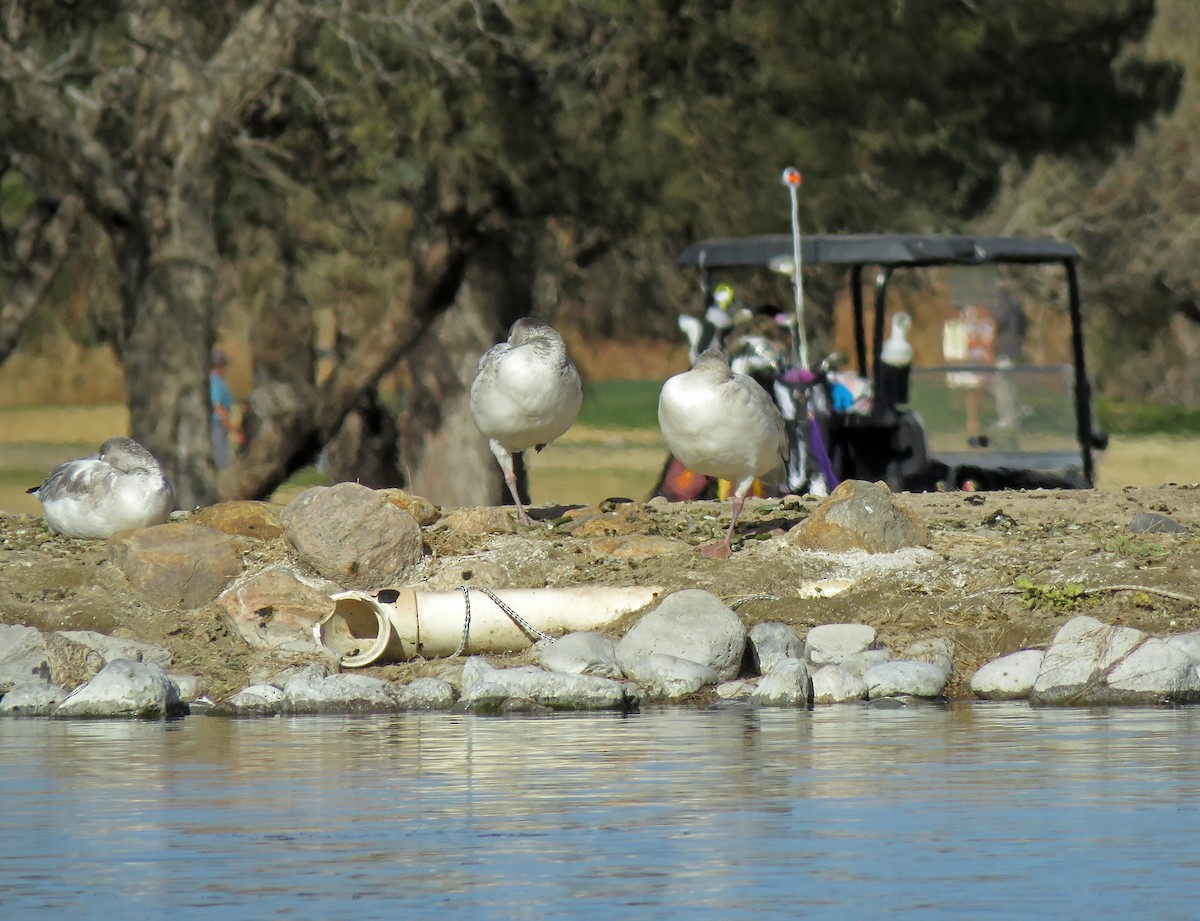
(1003, 571)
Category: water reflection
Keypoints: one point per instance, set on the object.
(966, 811)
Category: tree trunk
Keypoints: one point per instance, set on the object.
(445, 458)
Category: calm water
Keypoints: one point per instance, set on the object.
(973, 811)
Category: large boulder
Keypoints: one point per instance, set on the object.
(177, 565)
(23, 657)
(278, 607)
(787, 684)
(487, 688)
(1009, 677)
(353, 535)
(861, 516)
(833, 644)
(692, 624)
(581, 653)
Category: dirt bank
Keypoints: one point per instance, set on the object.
(1003, 571)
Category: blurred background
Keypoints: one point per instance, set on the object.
(354, 200)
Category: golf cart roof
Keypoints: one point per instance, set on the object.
(882, 249)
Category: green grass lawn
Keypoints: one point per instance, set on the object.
(620, 405)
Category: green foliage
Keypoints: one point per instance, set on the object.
(1037, 595)
(620, 405)
(1128, 417)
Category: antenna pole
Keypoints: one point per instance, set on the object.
(792, 179)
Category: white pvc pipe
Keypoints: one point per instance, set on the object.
(396, 625)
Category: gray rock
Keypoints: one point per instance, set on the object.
(581, 653)
(693, 625)
(738, 689)
(769, 643)
(1009, 677)
(858, 663)
(483, 686)
(176, 564)
(191, 687)
(662, 676)
(278, 607)
(37, 698)
(938, 650)
(71, 663)
(1093, 664)
(1154, 523)
(832, 644)
(353, 535)
(834, 684)
(115, 647)
(311, 692)
(125, 688)
(1187, 643)
(861, 516)
(426, 694)
(787, 684)
(905, 678)
(256, 700)
(23, 657)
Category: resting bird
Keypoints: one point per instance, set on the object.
(122, 487)
(723, 424)
(526, 393)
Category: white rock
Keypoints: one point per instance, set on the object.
(115, 647)
(124, 688)
(671, 677)
(905, 678)
(1083, 650)
(22, 657)
(825, 588)
(581, 653)
(831, 644)
(786, 685)
(834, 684)
(190, 687)
(426, 694)
(858, 663)
(1009, 677)
(1187, 643)
(1152, 672)
(37, 698)
(342, 692)
(481, 683)
(738, 689)
(937, 650)
(693, 625)
(769, 643)
(258, 699)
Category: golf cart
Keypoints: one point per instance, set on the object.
(987, 395)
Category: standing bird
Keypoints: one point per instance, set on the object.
(526, 393)
(723, 424)
(122, 487)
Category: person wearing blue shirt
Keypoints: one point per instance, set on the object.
(225, 431)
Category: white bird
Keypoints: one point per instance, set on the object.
(122, 487)
(723, 424)
(526, 393)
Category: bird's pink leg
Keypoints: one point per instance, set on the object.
(510, 478)
(724, 549)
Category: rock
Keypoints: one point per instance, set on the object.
(938, 650)
(424, 511)
(72, 663)
(662, 676)
(787, 684)
(125, 688)
(1154, 523)
(1154, 672)
(426, 694)
(738, 689)
(826, 588)
(353, 535)
(1009, 677)
(241, 518)
(832, 644)
(833, 684)
(858, 663)
(23, 657)
(483, 520)
(278, 607)
(191, 687)
(1079, 665)
(638, 547)
(312, 692)
(581, 653)
(37, 698)
(485, 687)
(693, 625)
(905, 678)
(116, 647)
(1187, 643)
(861, 516)
(769, 643)
(256, 700)
(177, 565)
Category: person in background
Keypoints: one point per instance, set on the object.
(226, 435)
